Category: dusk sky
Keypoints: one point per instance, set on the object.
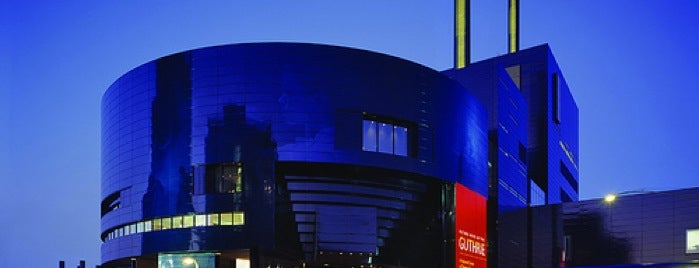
(630, 64)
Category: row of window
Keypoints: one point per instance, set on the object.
(177, 222)
(384, 138)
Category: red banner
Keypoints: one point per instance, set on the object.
(470, 223)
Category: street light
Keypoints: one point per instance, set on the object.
(187, 261)
(609, 198)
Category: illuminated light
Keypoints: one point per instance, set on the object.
(513, 25)
(187, 261)
(460, 33)
(609, 198)
(242, 263)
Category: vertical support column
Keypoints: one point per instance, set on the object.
(462, 33)
(512, 26)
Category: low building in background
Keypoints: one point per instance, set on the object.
(660, 228)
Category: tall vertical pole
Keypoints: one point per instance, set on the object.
(513, 26)
(462, 33)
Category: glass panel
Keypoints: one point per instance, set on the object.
(400, 135)
(213, 219)
(238, 218)
(230, 179)
(692, 241)
(200, 220)
(226, 218)
(369, 136)
(187, 221)
(187, 260)
(139, 227)
(177, 222)
(167, 223)
(148, 226)
(157, 224)
(385, 138)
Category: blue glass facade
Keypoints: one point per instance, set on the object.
(258, 153)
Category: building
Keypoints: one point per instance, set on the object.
(533, 145)
(292, 155)
(647, 228)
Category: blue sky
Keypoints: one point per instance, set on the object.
(630, 66)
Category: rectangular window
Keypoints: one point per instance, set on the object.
(177, 222)
(226, 218)
(369, 140)
(238, 218)
(157, 224)
(187, 221)
(556, 85)
(200, 220)
(139, 227)
(386, 137)
(692, 241)
(167, 223)
(148, 226)
(400, 135)
(224, 178)
(213, 219)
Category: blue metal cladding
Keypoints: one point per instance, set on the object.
(633, 231)
(552, 145)
(507, 128)
(261, 105)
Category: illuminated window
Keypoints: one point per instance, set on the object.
(692, 241)
(238, 218)
(166, 223)
(200, 220)
(225, 178)
(157, 224)
(226, 218)
(177, 222)
(187, 221)
(385, 137)
(213, 219)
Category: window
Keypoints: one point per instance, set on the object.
(213, 219)
(223, 178)
(188, 221)
(238, 218)
(385, 137)
(556, 85)
(177, 222)
(226, 218)
(522, 153)
(200, 220)
(692, 241)
(167, 223)
(157, 224)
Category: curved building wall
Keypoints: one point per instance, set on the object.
(224, 148)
